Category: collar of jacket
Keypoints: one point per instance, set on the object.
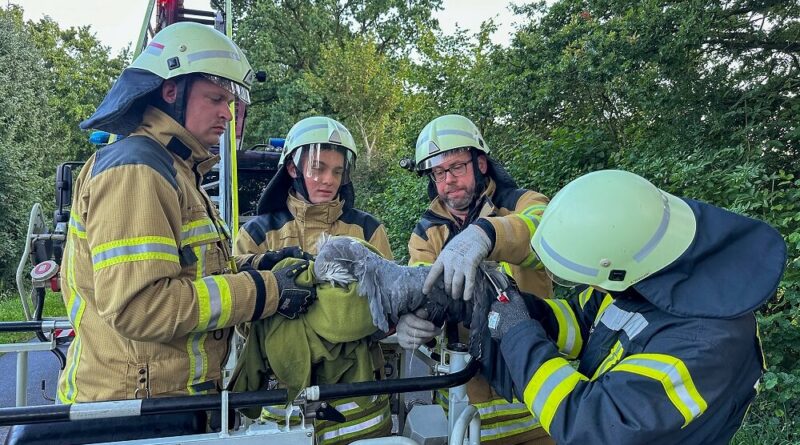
(306, 213)
(174, 137)
(438, 207)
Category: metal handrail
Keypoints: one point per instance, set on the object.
(165, 405)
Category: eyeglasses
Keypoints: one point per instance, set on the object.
(439, 174)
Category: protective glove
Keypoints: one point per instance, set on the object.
(273, 257)
(458, 263)
(413, 330)
(505, 315)
(294, 298)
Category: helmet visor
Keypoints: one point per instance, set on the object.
(325, 163)
(434, 161)
(238, 90)
(563, 282)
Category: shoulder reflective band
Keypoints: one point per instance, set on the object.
(673, 375)
(141, 248)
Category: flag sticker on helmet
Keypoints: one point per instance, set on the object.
(154, 48)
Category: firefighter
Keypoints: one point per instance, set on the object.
(665, 331)
(312, 195)
(149, 282)
(476, 213)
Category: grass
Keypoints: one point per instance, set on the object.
(11, 310)
(761, 428)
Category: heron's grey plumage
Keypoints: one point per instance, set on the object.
(393, 290)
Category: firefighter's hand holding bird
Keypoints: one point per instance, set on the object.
(395, 292)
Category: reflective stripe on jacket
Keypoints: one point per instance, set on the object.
(372, 420)
(148, 276)
(514, 215)
(645, 376)
(499, 419)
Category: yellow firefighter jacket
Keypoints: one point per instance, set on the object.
(514, 215)
(302, 224)
(147, 276)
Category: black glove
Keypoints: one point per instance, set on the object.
(273, 257)
(294, 298)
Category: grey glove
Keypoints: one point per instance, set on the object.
(505, 315)
(459, 261)
(294, 298)
(413, 330)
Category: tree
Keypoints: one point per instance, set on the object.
(25, 137)
(79, 72)
(286, 39)
(644, 78)
(51, 79)
(356, 81)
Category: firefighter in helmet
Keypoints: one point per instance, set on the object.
(477, 212)
(661, 319)
(312, 195)
(149, 281)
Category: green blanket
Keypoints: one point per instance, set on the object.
(327, 345)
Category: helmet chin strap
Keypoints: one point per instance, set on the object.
(480, 178)
(177, 109)
(299, 186)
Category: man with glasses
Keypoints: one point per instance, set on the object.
(663, 326)
(477, 213)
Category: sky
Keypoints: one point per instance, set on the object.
(116, 23)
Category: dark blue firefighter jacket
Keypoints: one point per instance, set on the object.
(675, 360)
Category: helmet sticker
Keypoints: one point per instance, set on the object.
(154, 48)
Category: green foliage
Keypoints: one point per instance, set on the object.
(398, 198)
(50, 80)
(765, 429)
(699, 96)
(356, 81)
(79, 73)
(287, 39)
(25, 138)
